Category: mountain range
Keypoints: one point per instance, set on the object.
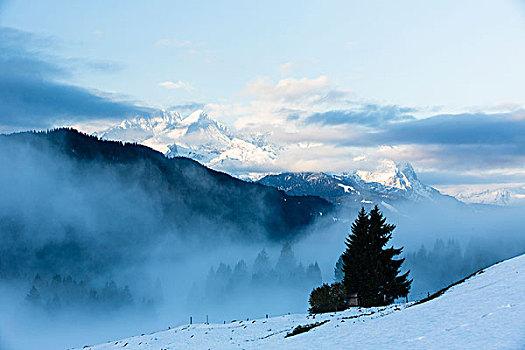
(501, 196)
(211, 143)
(392, 183)
(197, 136)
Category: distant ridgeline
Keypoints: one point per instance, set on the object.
(393, 184)
(183, 184)
(72, 203)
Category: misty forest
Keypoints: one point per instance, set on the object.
(100, 230)
(262, 175)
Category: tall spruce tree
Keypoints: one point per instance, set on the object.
(370, 269)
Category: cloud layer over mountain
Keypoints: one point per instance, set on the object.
(313, 123)
(32, 91)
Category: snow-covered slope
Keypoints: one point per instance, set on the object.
(487, 311)
(198, 137)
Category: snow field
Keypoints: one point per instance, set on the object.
(487, 311)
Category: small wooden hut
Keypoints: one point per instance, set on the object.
(353, 299)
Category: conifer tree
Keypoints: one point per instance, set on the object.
(313, 274)
(286, 265)
(370, 269)
(223, 278)
(240, 271)
(338, 270)
(33, 296)
(262, 265)
(240, 274)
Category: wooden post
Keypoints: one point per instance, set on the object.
(207, 320)
(191, 320)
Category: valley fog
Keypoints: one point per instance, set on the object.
(91, 252)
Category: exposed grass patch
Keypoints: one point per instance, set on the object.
(443, 290)
(305, 328)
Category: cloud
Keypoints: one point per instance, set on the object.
(460, 142)
(319, 127)
(457, 142)
(172, 43)
(322, 128)
(453, 157)
(267, 106)
(32, 97)
(478, 177)
(176, 85)
(289, 89)
(286, 68)
(283, 103)
(103, 66)
(370, 114)
(187, 107)
(457, 129)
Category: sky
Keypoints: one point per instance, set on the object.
(439, 84)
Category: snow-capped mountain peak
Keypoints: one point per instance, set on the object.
(397, 175)
(497, 197)
(206, 127)
(193, 117)
(510, 195)
(196, 136)
(392, 182)
(140, 129)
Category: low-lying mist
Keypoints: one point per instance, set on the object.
(88, 255)
(443, 241)
(101, 240)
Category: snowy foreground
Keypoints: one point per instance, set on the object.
(487, 311)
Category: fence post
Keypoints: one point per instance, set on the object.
(191, 320)
(207, 320)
